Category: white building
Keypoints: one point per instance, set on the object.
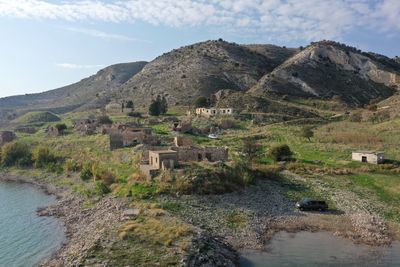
(214, 111)
(373, 157)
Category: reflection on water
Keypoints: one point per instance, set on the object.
(320, 249)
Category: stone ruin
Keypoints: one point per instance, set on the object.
(7, 137)
(86, 126)
(182, 126)
(130, 136)
(167, 158)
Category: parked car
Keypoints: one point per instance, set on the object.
(311, 204)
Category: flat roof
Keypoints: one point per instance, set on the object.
(368, 152)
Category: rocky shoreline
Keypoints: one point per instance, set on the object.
(263, 206)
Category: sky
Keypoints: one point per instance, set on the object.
(46, 44)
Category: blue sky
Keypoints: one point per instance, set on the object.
(46, 44)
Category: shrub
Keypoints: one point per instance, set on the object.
(102, 188)
(42, 157)
(61, 127)
(201, 102)
(280, 152)
(16, 154)
(135, 114)
(86, 172)
(307, 132)
(71, 165)
(104, 120)
(251, 148)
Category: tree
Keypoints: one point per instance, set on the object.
(154, 108)
(123, 106)
(251, 149)
(129, 104)
(158, 106)
(280, 152)
(201, 102)
(163, 105)
(307, 132)
(104, 120)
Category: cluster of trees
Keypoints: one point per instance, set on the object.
(158, 106)
(252, 149)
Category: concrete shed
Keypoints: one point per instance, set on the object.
(374, 157)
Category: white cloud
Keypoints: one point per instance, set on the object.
(104, 35)
(284, 19)
(78, 66)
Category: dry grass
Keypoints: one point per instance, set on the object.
(162, 230)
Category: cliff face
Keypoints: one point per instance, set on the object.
(326, 69)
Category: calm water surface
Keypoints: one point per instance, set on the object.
(307, 249)
(26, 239)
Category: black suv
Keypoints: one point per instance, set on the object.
(311, 204)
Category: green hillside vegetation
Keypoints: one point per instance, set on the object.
(37, 117)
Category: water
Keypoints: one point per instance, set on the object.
(305, 249)
(26, 239)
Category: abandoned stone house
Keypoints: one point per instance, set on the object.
(183, 151)
(86, 126)
(117, 108)
(130, 136)
(182, 127)
(373, 157)
(6, 137)
(157, 161)
(209, 112)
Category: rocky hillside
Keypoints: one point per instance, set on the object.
(78, 94)
(203, 69)
(327, 69)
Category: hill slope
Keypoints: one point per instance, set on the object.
(325, 69)
(202, 69)
(78, 94)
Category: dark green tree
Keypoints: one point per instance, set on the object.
(201, 102)
(129, 104)
(163, 105)
(154, 108)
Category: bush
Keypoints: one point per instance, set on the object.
(16, 154)
(104, 120)
(71, 165)
(129, 104)
(86, 172)
(102, 188)
(42, 157)
(201, 102)
(281, 153)
(307, 132)
(61, 127)
(135, 114)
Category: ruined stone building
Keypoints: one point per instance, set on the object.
(209, 112)
(130, 136)
(7, 137)
(52, 131)
(184, 151)
(86, 126)
(182, 126)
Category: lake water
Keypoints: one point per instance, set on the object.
(25, 238)
(305, 249)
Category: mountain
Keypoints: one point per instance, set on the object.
(203, 69)
(327, 69)
(78, 94)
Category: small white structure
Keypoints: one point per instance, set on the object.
(373, 157)
(208, 112)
